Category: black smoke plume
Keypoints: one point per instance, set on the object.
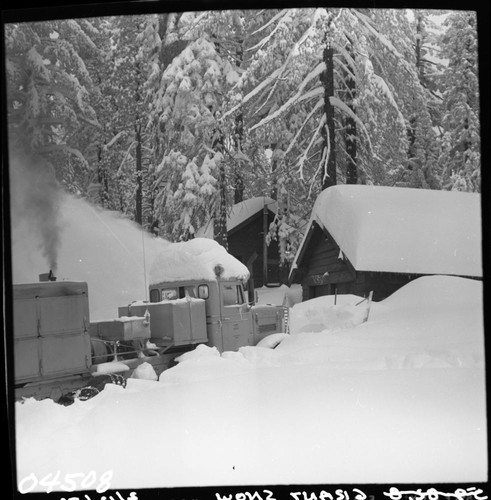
(35, 199)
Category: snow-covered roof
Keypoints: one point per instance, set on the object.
(402, 230)
(242, 211)
(195, 260)
(239, 213)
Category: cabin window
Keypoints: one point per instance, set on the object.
(155, 295)
(233, 295)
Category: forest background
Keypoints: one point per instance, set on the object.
(172, 118)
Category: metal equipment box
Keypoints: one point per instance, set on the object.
(267, 319)
(177, 322)
(121, 329)
(51, 321)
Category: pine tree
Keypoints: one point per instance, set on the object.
(460, 158)
(186, 97)
(172, 118)
(49, 91)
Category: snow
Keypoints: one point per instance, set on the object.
(397, 399)
(239, 213)
(128, 319)
(144, 371)
(97, 246)
(242, 211)
(195, 259)
(403, 230)
(323, 312)
(111, 367)
(318, 70)
(279, 295)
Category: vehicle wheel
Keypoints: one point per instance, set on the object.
(99, 352)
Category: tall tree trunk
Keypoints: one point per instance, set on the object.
(413, 119)
(351, 138)
(419, 43)
(274, 173)
(239, 185)
(220, 219)
(102, 179)
(328, 132)
(139, 177)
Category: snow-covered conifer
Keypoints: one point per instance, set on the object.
(460, 156)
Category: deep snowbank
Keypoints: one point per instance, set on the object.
(432, 321)
(280, 295)
(400, 398)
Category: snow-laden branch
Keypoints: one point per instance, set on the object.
(114, 139)
(296, 97)
(366, 21)
(383, 87)
(123, 161)
(337, 103)
(254, 91)
(79, 155)
(272, 20)
(350, 66)
(323, 161)
(318, 105)
(304, 155)
(278, 72)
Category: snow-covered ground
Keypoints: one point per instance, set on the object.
(399, 398)
(279, 295)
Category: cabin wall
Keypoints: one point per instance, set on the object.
(326, 272)
(247, 239)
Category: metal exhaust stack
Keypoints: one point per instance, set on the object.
(47, 276)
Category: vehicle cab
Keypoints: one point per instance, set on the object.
(228, 314)
(202, 269)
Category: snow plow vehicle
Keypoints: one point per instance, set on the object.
(57, 349)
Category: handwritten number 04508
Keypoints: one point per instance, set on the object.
(71, 482)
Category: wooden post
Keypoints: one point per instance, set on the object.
(250, 285)
(265, 243)
(328, 132)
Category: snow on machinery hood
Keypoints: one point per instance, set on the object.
(196, 259)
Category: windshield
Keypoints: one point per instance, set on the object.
(179, 292)
(232, 294)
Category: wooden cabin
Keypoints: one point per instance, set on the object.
(373, 238)
(247, 228)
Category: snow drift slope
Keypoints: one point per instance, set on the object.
(400, 398)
